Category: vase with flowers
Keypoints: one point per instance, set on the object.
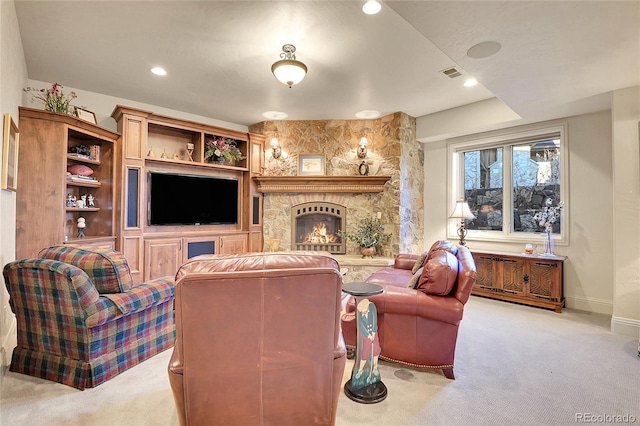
(368, 234)
(546, 218)
(53, 98)
(223, 150)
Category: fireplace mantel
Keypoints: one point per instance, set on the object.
(334, 184)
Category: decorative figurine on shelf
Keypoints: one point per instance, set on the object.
(80, 203)
(81, 225)
(150, 153)
(90, 200)
(83, 198)
(190, 147)
(71, 200)
(175, 156)
(164, 154)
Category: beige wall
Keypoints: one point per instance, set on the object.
(13, 76)
(625, 111)
(103, 105)
(595, 280)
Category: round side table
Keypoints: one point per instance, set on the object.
(365, 385)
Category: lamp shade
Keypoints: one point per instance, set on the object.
(289, 71)
(462, 211)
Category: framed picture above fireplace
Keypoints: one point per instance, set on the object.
(311, 165)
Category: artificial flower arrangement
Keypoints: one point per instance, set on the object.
(549, 215)
(546, 218)
(217, 147)
(53, 98)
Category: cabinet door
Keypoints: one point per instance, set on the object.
(233, 244)
(545, 280)
(512, 275)
(485, 271)
(162, 257)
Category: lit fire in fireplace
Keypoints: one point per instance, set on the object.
(319, 235)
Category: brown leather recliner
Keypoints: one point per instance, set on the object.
(419, 326)
(258, 339)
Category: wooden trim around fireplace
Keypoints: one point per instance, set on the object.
(334, 184)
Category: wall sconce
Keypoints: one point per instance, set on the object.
(276, 151)
(462, 212)
(362, 148)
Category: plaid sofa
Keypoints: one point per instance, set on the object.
(81, 320)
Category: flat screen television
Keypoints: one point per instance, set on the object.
(182, 199)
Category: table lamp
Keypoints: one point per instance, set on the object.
(462, 212)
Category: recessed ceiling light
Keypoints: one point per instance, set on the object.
(158, 71)
(470, 82)
(275, 115)
(368, 113)
(371, 7)
(484, 49)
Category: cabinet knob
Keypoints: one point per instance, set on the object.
(526, 278)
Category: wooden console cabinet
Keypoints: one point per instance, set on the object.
(155, 143)
(43, 216)
(520, 278)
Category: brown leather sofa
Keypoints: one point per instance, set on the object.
(258, 339)
(420, 309)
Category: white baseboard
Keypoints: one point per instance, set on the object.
(625, 326)
(590, 304)
(8, 343)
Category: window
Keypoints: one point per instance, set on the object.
(506, 180)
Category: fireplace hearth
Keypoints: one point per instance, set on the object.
(315, 226)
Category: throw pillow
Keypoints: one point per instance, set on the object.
(439, 274)
(419, 262)
(414, 279)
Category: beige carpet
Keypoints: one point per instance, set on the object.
(515, 365)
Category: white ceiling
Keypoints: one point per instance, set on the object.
(557, 58)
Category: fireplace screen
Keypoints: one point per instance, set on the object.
(315, 226)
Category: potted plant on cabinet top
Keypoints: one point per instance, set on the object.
(368, 235)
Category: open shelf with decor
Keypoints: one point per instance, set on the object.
(178, 144)
(73, 180)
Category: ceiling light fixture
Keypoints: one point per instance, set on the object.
(371, 7)
(368, 113)
(470, 82)
(158, 71)
(275, 115)
(288, 70)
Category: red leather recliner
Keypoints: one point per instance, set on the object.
(414, 327)
(258, 339)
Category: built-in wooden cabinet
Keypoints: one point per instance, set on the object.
(530, 280)
(155, 143)
(49, 199)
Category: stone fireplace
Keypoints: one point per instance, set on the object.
(394, 156)
(315, 226)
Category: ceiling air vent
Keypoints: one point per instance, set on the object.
(451, 72)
